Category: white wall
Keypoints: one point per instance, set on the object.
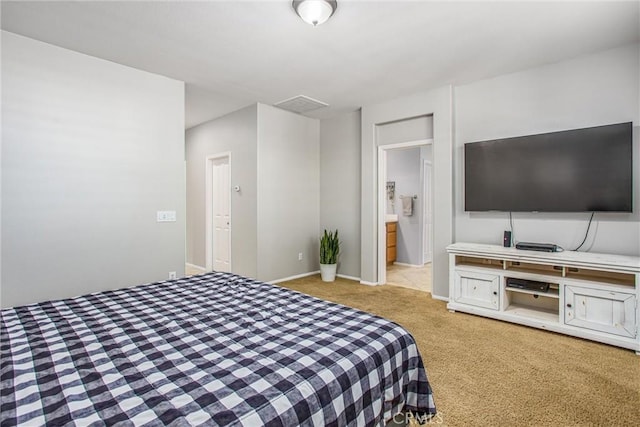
(235, 133)
(91, 150)
(436, 103)
(405, 129)
(586, 91)
(403, 167)
(288, 193)
(340, 186)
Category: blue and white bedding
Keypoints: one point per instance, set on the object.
(213, 349)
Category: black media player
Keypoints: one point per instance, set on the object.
(530, 285)
(542, 247)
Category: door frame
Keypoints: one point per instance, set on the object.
(427, 205)
(382, 188)
(209, 208)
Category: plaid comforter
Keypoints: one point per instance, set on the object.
(213, 349)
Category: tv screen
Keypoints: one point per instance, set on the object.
(582, 170)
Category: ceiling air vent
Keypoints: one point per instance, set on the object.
(300, 104)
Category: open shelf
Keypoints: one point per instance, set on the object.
(479, 262)
(526, 267)
(527, 312)
(533, 302)
(552, 293)
(610, 277)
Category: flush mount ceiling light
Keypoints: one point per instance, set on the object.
(315, 12)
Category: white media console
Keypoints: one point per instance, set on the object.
(592, 296)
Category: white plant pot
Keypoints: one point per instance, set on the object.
(328, 272)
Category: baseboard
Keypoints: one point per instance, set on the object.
(298, 276)
(344, 276)
(362, 282)
(445, 299)
(408, 265)
(196, 267)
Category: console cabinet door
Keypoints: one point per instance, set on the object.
(479, 289)
(600, 310)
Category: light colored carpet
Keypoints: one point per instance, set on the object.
(490, 373)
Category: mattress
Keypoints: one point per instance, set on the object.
(212, 349)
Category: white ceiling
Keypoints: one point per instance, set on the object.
(235, 53)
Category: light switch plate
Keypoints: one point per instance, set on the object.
(166, 216)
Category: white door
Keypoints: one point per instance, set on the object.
(220, 241)
(427, 216)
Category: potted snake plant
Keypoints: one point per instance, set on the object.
(329, 251)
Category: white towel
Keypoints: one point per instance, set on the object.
(407, 205)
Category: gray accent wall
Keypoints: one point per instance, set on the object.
(91, 151)
(590, 90)
(340, 188)
(235, 133)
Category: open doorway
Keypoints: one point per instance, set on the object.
(404, 212)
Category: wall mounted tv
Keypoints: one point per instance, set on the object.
(581, 170)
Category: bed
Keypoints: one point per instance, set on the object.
(212, 349)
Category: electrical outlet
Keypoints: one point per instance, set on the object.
(300, 256)
(172, 275)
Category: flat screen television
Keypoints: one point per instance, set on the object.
(581, 170)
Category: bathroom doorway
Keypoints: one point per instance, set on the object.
(404, 206)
